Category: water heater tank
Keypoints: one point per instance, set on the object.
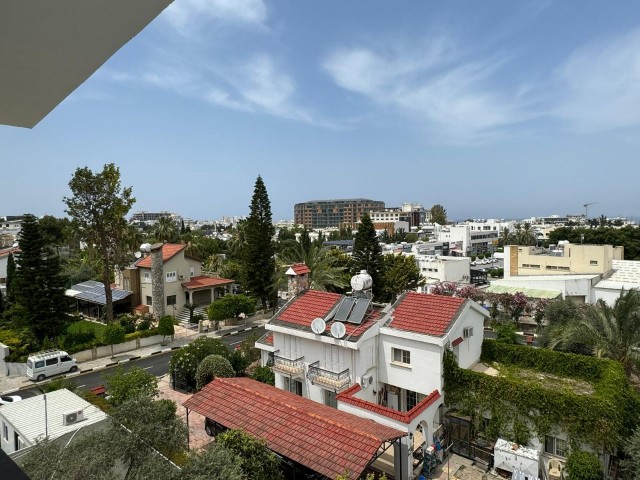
(361, 281)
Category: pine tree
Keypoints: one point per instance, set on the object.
(11, 276)
(258, 260)
(438, 214)
(367, 255)
(39, 285)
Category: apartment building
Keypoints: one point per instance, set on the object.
(333, 213)
(465, 240)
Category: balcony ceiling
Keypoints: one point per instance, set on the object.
(50, 47)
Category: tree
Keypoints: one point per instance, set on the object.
(11, 275)
(38, 288)
(124, 385)
(212, 367)
(327, 270)
(401, 274)
(610, 332)
(583, 465)
(113, 334)
(367, 255)
(258, 260)
(184, 362)
(258, 462)
(264, 375)
(438, 214)
(631, 463)
(166, 230)
(230, 306)
(1, 304)
(525, 234)
(215, 462)
(165, 327)
(98, 209)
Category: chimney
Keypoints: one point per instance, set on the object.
(157, 280)
(298, 279)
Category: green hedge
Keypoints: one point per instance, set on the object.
(522, 407)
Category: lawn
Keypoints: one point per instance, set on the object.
(84, 326)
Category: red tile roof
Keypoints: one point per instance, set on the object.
(348, 397)
(319, 437)
(204, 281)
(300, 268)
(266, 339)
(309, 305)
(6, 252)
(168, 251)
(457, 341)
(426, 314)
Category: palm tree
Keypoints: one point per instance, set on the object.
(610, 332)
(526, 235)
(166, 230)
(505, 237)
(327, 273)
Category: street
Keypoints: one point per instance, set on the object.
(158, 365)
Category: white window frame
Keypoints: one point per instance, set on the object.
(171, 277)
(555, 441)
(400, 356)
(192, 272)
(146, 277)
(5, 431)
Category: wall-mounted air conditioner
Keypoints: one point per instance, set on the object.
(366, 380)
(467, 332)
(69, 418)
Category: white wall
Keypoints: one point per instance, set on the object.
(469, 350)
(8, 444)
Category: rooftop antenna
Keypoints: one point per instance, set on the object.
(586, 210)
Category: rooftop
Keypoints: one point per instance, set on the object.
(169, 250)
(203, 281)
(529, 292)
(92, 291)
(317, 436)
(425, 314)
(28, 415)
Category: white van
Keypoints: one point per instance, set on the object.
(50, 362)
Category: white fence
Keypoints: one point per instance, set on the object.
(105, 351)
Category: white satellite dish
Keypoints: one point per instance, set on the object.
(318, 326)
(338, 329)
(15, 244)
(145, 247)
(138, 254)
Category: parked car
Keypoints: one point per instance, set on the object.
(50, 362)
(9, 399)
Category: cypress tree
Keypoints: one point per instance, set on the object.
(367, 255)
(11, 276)
(258, 260)
(1, 304)
(39, 285)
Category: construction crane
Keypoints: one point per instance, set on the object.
(586, 210)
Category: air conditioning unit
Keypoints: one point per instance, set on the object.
(69, 418)
(467, 332)
(180, 277)
(366, 380)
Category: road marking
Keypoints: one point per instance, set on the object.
(235, 343)
(147, 368)
(80, 386)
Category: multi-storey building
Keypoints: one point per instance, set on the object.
(412, 213)
(152, 216)
(333, 213)
(469, 239)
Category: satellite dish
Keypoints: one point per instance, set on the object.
(145, 247)
(338, 329)
(15, 244)
(138, 254)
(318, 326)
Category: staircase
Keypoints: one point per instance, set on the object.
(183, 316)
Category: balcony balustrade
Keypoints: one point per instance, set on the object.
(328, 378)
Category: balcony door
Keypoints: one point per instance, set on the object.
(334, 358)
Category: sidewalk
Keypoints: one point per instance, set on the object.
(181, 337)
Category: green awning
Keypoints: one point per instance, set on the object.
(529, 292)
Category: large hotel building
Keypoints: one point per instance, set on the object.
(333, 213)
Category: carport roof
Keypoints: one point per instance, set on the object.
(529, 292)
(324, 439)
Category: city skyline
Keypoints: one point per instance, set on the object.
(496, 112)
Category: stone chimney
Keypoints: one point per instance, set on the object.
(157, 280)
(298, 279)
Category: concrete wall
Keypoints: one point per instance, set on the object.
(105, 351)
(468, 352)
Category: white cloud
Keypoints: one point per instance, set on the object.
(601, 85)
(182, 14)
(438, 87)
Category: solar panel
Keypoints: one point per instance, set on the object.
(359, 311)
(344, 309)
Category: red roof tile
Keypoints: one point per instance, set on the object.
(204, 281)
(309, 305)
(426, 314)
(6, 252)
(348, 397)
(322, 438)
(266, 339)
(168, 251)
(300, 268)
(457, 341)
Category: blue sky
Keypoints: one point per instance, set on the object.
(493, 109)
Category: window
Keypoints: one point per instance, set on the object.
(401, 356)
(40, 364)
(293, 386)
(66, 358)
(171, 300)
(147, 277)
(149, 300)
(412, 399)
(192, 271)
(330, 398)
(171, 277)
(556, 446)
(593, 262)
(5, 431)
(52, 361)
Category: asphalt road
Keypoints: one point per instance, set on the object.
(158, 365)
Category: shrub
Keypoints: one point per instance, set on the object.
(144, 324)
(264, 375)
(128, 323)
(506, 333)
(184, 362)
(211, 367)
(133, 383)
(583, 465)
(258, 462)
(165, 326)
(230, 306)
(113, 334)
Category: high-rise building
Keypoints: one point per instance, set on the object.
(333, 213)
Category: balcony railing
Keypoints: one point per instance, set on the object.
(288, 366)
(328, 378)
